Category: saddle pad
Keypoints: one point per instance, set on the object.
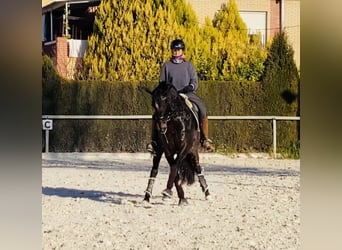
(187, 101)
(191, 107)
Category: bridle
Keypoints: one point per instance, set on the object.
(162, 117)
(166, 111)
(162, 122)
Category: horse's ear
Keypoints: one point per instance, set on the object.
(141, 88)
(173, 88)
(170, 86)
(164, 86)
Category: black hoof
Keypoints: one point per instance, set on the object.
(183, 202)
(147, 197)
(207, 193)
(167, 193)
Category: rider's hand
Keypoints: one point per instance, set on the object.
(187, 89)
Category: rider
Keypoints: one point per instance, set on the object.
(182, 75)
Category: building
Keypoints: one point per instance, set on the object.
(265, 16)
(66, 25)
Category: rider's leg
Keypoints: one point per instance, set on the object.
(151, 147)
(206, 142)
(203, 120)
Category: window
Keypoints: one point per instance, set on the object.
(256, 23)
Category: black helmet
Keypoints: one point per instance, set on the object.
(178, 44)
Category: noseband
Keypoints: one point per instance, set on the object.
(162, 122)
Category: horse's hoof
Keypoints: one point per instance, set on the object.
(167, 193)
(147, 198)
(183, 202)
(207, 195)
(146, 204)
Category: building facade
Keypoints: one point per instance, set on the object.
(265, 16)
(66, 25)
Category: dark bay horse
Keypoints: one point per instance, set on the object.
(179, 139)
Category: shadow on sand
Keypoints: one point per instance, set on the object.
(252, 171)
(108, 197)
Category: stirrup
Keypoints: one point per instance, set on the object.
(150, 147)
(207, 144)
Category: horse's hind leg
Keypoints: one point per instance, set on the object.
(153, 175)
(204, 185)
(201, 179)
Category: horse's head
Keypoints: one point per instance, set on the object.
(163, 101)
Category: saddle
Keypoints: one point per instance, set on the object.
(193, 108)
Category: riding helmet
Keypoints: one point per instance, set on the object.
(178, 44)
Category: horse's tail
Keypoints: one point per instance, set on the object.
(187, 171)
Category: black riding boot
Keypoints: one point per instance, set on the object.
(151, 147)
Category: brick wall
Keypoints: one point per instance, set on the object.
(62, 55)
(292, 26)
(68, 67)
(275, 22)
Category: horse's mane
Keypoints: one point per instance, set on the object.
(168, 91)
(163, 89)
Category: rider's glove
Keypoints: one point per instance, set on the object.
(187, 89)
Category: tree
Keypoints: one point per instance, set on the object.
(131, 38)
(211, 45)
(241, 59)
(280, 84)
(229, 21)
(50, 85)
(280, 80)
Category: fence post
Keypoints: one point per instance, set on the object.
(47, 141)
(274, 120)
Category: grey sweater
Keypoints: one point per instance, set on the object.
(179, 75)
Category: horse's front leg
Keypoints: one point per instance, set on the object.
(174, 178)
(167, 193)
(180, 192)
(174, 166)
(153, 175)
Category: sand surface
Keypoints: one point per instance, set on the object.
(95, 201)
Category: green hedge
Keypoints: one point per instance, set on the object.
(123, 98)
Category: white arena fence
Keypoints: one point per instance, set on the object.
(47, 122)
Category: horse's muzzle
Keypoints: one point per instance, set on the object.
(162, 127)
(162, 124)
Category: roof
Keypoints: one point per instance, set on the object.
(48, 5)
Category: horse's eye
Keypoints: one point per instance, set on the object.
(163, 98)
